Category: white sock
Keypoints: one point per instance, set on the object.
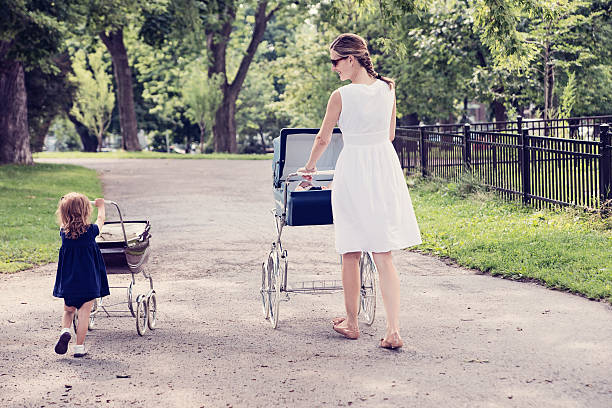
(65, 330)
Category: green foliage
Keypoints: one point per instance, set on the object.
(564, 249)
(28, 199)
(66, 137)
(568, 98)
(305, 76)
(95, 99)
(201, 96)
(159, 70)
(35, 30)
(49, 94)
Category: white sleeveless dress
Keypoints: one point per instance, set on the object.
(370, 200)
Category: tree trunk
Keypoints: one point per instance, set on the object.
(39, 133)
(499, 110)
(89, 141)
(125, 92)
(14, 134)
(224, 129)
(202, 127)
(546, 81)
(188, 143)
(263, 139)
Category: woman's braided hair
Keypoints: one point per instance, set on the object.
(351, 44)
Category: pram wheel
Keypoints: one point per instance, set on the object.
(130, 299)
(141, 315)
(92, 315)
(152, 312)
(274, 285)
(264, 289)
(367, 301)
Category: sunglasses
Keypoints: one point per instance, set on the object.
(336, 61)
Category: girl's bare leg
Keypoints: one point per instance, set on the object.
(351, 284)
(390, 289)
(83, 314)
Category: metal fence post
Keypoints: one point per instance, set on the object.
(423, 151)
(524, 162)
(605, 164)
(519, 123)
(467, 148)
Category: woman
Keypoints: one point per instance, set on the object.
(370, 200)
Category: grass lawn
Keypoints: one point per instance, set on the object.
(28, 199)
(565, 249)
(122, 154)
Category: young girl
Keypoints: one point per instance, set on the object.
(81, 274)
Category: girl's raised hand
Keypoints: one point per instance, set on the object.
(99, 202)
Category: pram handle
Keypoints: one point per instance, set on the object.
(120, 217)
(311, 174)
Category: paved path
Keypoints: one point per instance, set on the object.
(471, 340)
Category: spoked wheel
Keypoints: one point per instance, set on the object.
(152, 311)
(141, 315)
(367, 301)
(274, 285)
(92, 315)
(264, 288)
(130, 299)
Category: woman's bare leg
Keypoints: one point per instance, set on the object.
(351, 284)
(390, 289)
(83, 314)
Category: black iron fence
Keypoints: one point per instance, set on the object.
(547, 162)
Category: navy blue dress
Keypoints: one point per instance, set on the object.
(81, 273)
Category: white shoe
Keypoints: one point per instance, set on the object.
(62, 344)
(79, 350)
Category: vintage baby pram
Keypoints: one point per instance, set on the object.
(309, 207)
(125, 249)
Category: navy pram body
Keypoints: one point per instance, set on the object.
(291, 151)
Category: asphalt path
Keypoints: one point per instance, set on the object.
(471, 340)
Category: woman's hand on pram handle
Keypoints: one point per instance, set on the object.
(306, 172)
(309, 175)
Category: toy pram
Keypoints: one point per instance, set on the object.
(125, 249)
(306, 207)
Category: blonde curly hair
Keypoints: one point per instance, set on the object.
(73, 213)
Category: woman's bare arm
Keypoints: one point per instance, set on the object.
(334, 106)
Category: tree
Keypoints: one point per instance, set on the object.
(216, 20)
(304, 72)
(109, 20)
(201, 96)
(94, 100)
(14, 134)
(257, 119)
(30, 34)
(49, 94)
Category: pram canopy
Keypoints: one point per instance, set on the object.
(291, 151)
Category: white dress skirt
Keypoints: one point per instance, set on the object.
(370, 201)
